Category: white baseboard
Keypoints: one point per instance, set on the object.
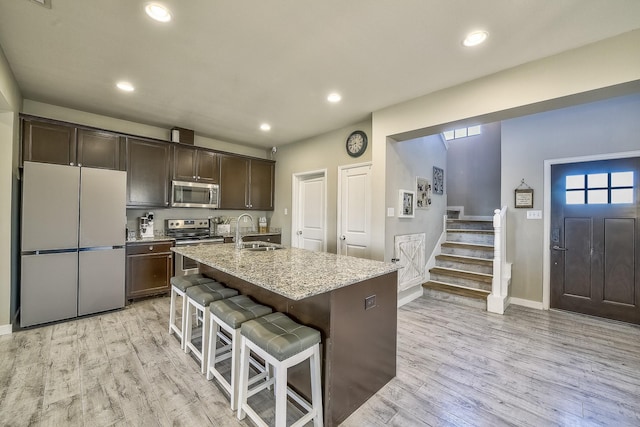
(6, 329)
(527, 303)
(409, 295)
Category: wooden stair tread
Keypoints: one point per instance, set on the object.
(469, 230)
(456, 289)
(472, 275)
(464, 245)
(465, 259)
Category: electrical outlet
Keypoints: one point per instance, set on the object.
(369, 302)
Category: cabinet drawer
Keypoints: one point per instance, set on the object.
(148, 248)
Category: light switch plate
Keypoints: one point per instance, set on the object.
(534, 214)
(391, 212)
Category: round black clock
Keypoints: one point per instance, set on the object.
(356, 143)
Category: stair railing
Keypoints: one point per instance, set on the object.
(498, 299)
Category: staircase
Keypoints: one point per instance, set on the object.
(464, 270)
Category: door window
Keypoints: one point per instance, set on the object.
(599, 188)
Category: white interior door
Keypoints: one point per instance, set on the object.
(354, 211)
(309, 226)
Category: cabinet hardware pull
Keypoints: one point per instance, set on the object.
(150, 248)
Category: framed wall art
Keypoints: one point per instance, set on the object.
(407, 204)
(438, 180)
(423, 193)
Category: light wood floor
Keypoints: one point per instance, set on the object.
(457, 366)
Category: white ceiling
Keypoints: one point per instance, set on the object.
(222, 67)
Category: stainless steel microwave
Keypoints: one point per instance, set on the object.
(186, 194)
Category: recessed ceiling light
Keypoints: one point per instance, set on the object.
(475, 38)
(265, 127)
(334, 97)
(125, 86)
(158, 12)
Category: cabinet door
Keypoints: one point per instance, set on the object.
(262, 183)
(234, 174)
(208, 170)
(98, 149)
(48, 142)
(148, 274)
(148, 165)
(184, 163)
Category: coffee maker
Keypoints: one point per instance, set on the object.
(145, 225)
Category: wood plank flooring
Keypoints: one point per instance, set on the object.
(457, 366)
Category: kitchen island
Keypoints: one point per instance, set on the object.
(351, 301)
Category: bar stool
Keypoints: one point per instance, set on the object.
(198, 298)
(229, 315)
(179, 285)
(282, 343)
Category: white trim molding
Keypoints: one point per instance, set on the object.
(408, 295)
(526, 303)
(6, 329)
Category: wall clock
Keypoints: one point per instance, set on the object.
(356, 143)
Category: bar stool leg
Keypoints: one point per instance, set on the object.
(172, 313)
(244, 378)
(186, 331)
(316, 387)
(281, 396)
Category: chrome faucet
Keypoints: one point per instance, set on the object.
(238, 238)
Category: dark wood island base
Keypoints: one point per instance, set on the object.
(358, 323)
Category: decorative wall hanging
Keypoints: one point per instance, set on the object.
(407, 204)
(523, 196)
(438, 180)
(423, 193)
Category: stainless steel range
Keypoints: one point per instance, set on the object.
(189, 232)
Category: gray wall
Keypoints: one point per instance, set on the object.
(405, 161)
(325, 151)
(472, 174)
(602, 127)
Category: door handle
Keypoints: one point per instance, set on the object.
(558, 248)
(299, 232)
(343, 237)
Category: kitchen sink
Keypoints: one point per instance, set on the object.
(261, 246)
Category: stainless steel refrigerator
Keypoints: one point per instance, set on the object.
(73, 242)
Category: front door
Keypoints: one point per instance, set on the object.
(595, 238)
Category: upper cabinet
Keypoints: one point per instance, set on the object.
(48, 142)
(246, 183)
(197, 165)
(98, 149)
(65, 144)
(148, 166)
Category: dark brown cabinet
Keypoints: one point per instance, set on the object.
(271, 238)
(148, 166)
(193, 164)
(64, 144)
(48, 142)
(246, 183)
(149, 269)
(98, 149)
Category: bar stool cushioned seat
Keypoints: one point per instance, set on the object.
(229, 315)
(237, 310)
(199, 297)
(280, 336)
(179, 285)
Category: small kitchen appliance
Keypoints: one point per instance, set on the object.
(145, 225)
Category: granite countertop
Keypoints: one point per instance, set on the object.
(293, 273)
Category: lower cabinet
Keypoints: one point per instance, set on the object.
(149, 269)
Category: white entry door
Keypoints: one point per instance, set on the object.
(354, 211)
(309, 218)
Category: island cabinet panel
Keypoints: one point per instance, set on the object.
(197, 165)
(358, 343)
(148, 168)
(246, 183)
(271, 238)
(149, 269)
(48, 142)
(99, 149)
